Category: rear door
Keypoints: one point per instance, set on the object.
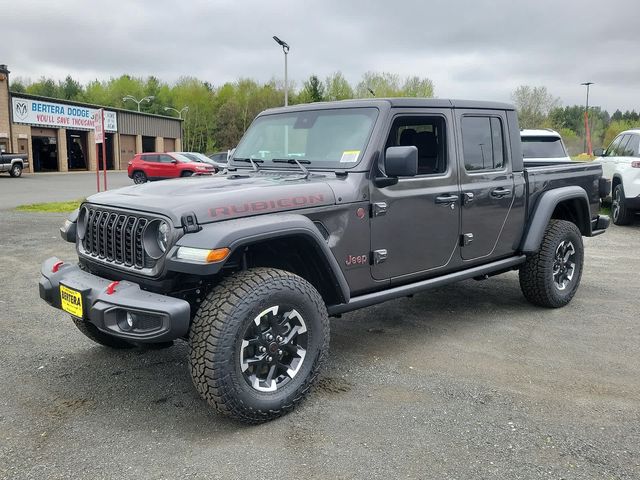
(486, 184)
(415, 223)
(150, 165)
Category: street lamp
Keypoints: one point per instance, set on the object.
(184, 109)
(587, 130)
(134, 99)
(285, 49)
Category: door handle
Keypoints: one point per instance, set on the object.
(501, 192)
(446, 199)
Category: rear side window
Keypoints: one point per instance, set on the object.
(614, 148)
(482, 143)
(542, 147)
(632, 148)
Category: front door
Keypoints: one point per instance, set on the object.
(486, 184)
(415, 223)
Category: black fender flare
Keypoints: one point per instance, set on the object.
(238, 233)
(546, 204)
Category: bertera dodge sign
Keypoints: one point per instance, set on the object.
(35, 112)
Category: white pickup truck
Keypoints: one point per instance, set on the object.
(14, 163)
(621, 164)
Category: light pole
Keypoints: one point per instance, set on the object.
(285, 49)
(587, 130)
(184, 109)
(134, 99)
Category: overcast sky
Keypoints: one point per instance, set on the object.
(471, 49)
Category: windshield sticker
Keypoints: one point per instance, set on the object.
(349, 156)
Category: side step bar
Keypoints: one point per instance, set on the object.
(402, 291)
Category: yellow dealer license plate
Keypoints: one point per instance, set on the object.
(71, 301)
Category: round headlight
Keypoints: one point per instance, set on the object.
(163, 236)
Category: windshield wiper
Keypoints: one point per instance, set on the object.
(297, 162)
(254, 163)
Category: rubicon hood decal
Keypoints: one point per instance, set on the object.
(218, 198)
(250, 208)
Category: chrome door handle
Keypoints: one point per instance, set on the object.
(446, 199)
(501, 192)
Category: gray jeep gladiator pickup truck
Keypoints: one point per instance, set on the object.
(324, 208)
(14, 163)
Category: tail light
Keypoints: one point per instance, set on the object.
(635, 164)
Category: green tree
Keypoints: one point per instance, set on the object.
(533, 105)
(312, 91)
(45, 87)
(337, 87)
(70, 89)
(382, 84)
(417, 87)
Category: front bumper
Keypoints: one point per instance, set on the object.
(155, 318)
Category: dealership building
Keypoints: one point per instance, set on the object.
(58, 135)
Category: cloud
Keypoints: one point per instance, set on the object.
(471, 49)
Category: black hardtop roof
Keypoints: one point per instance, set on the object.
(406, 102)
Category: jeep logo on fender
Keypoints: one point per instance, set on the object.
(266, 205)
(355, 260)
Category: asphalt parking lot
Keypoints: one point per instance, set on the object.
(54, 187)
(467, 382)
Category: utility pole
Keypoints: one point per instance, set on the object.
(587, 130)
(285, 49)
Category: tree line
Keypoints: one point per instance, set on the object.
(218, 116)
(538, 108)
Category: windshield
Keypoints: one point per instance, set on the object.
(181, 157)
(319, 138)
(195, 157)
(542, 147)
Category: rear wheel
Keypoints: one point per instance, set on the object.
(621, 214)
(91, 332)
(139, 177)
(257, 344)
(16, 170)
(551, 276)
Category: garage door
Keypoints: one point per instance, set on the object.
(127, 149)
(169, 144)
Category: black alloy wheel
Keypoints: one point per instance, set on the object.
(273, 348)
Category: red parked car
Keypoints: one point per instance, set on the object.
(159, 166)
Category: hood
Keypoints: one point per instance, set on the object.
(222, 197)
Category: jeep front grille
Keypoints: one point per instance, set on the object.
(115, 237)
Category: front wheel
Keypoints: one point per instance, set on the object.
(16, 170)
(257, 344)
(619, 210)
(139, 177)
(551, 276)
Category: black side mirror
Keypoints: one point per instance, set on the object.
(598, 152)
(401, 161)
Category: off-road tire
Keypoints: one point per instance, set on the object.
(91, 332)
(217, 332)
(139, 177)
(536, 275)
(16, 170)
(620, 213)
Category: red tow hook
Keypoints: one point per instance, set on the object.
(56, 266)
(111, 288)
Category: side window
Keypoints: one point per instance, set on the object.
(150, 158)
(613, 148)
(482, 143)
(165, 158)
(427, 134)
(633, 147)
